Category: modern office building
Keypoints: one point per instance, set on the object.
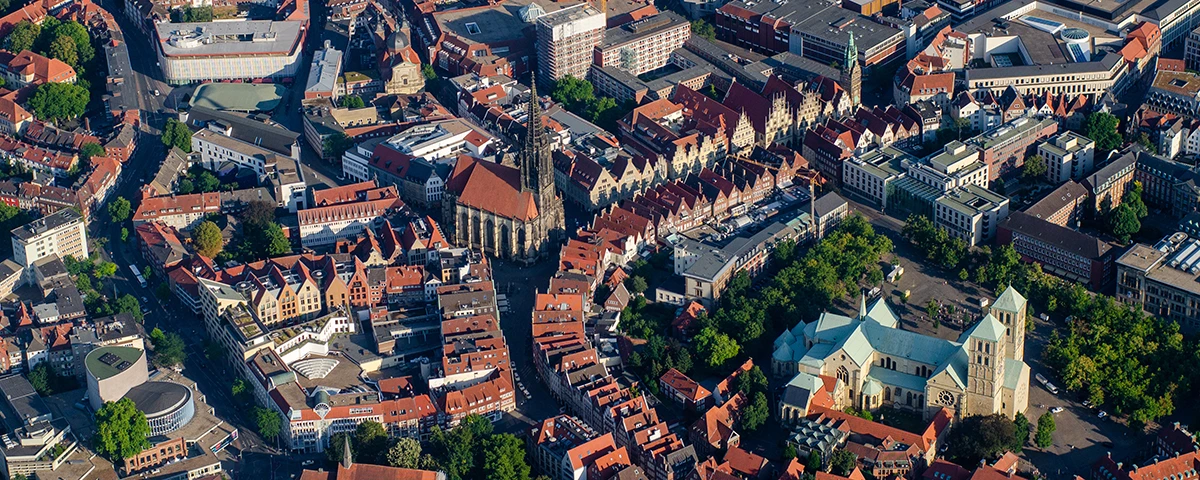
(971, 213)
(112, 372)
(643, 45)
(565, 40)
(1068, 156)
(62, 233)
(1060, 250)
(252, 49)
(1163, 279)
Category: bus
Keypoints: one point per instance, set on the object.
(138, 275)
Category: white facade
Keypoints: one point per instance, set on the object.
(216, 148)
(354, 163)
(1068, 156)
(61, 233)
(194, 52)
(972, 213)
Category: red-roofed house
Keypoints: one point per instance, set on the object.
(679, 387)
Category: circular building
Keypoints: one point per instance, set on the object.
(112, 372)
(168, 405)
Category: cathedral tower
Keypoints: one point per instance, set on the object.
(851, 72)
(1009, 309)
(535, 158)
(986, 344)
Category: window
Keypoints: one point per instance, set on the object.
(473, 28)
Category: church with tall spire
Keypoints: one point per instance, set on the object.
(851, 78)
(509, 213)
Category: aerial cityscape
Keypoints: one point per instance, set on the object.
(600, 239)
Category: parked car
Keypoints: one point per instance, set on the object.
(1087, 404)
(1056, 410)
(1102, 414)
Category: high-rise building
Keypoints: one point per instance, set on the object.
(565, 41)
(61, 233)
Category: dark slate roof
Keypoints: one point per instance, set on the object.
(1072, 241)
(270, 137)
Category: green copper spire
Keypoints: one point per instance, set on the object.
(851, 53)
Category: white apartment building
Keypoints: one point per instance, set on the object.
(1068, 156)
(326, 225)
(566, 40)
(643, 45)
(61, 233)
(958, 165)
(216, 148)
(252, 49)
(354, 162)
(868, 176)
(438, 140)
(971, 213)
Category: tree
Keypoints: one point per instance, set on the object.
(635, 284)
(119, 209)
(185, 187)
(1020, 432)
(124, 234)
(207, 182)
(814, 463)
(238, 389)
(121, 430)
(789, 452)
(504, 458)
(842, 462)
(756, 414)
(428, 72)
(1123, 222)
(176, 134)
(22, 36)
(82, 41)
(598, 107)
(129, 304)
(405, 453)
(931, 308)
(63, 48)
(275, 243)
(574, 93)
(1045, 430)
(41, 377)
(351, 101)
(1133, 198)
(751, 381)
(1035, 167)
(1101, 127)
(89, 150)
(267, 422)
(1146, 143)
(207, 237)
(59, 101)
(371, 442)
(169, 349)
(980, 437)
(703, 29)
(336, 145)
(715, 348)
(105, 269)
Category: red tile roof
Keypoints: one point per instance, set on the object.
(745, 463)
(491, 187)
(685, 386)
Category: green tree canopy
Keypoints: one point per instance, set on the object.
(405, 453)
(1045, 430)
(89, 150)
(63, 48)
(104, 269)
(756, 413)
(121, 430)
(119, 209)
(169, 349)
(636, 284)
(573, 93)
(207, 238)
(206, 182)
(84, 51)
(336, 145)
(715, 348)
(59, 101)
(267, 422)
(351, 101)
(22, 36)
(1123, 222)
(129, 304)
(980, 437)
(1020, 432)
(1035, 167)
(504, 458)
(1101, 127)
(843, 462)
(703, 29)
(176, 134)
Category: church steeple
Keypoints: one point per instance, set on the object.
(346, 460)
(535, 159)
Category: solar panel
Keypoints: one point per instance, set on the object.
(109, 359)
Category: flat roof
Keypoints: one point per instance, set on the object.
(47, 223)
(642, 28)
(323, 73)
(492, 24)
(972, 199)
(824, 19)
(1183, 84)
(239, 97)
(104, 362)
(250, 37)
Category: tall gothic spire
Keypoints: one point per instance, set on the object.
(346, 460)
(534, 159)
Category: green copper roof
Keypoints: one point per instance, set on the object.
(1010, 301)
(104, 362)
(988, 329)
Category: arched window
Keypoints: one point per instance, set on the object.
(887, 394)
(521, 246)
(489, 237)
(843, 375)
(505, 242)
(476, 232)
